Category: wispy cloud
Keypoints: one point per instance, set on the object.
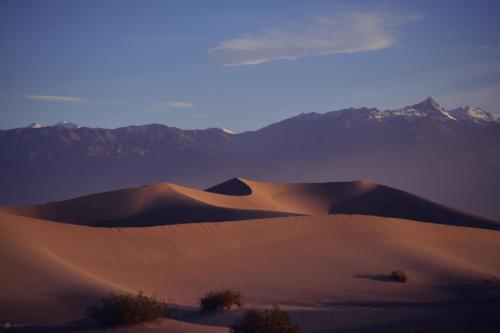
(68, 99)
(461, 74)
(485, 96)
(172, 105)
(491, 47)
(474, 84)
(347, 32)
(180, 105)
(57, 99)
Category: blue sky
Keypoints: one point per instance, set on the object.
(240, 64)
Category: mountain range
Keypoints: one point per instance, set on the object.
(449, 156)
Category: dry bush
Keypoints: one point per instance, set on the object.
(269, 321)
(399, 276)
(127, 309)
(221, 300)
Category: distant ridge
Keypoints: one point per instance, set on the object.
(448, 156)
(428, 108)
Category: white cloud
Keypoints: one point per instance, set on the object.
(347, 32)
(172, 105)
(59, 99)
(180, 105)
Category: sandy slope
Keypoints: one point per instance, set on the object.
(329, 271)
(52, 271)
(242, 199)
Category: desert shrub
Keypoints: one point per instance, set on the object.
(493, 280)
(127, 309)
(221, 300)
(269, 321)
(399, 276)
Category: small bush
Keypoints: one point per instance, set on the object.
(399, 276)
(493, 280)
(269, 321)
(221, 300)
(127, 309)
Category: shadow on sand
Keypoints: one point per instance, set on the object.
(376, 277)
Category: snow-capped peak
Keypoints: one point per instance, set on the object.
(474, 114)
(429, 107)
(228, 131)
(429, 103)
(66, 124)
(35, 125)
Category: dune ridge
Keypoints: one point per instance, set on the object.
(322, 250)
(243, 199)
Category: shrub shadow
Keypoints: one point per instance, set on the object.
(375, 277)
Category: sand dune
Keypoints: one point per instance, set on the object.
(322, 251)
(242, 199)
(315, 263)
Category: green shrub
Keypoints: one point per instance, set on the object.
(127, 309)
(399, 276)
(221, 300)
(269, 321)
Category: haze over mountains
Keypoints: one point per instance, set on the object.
(449, 156)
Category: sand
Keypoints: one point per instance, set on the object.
(243, 199)
(329, 271)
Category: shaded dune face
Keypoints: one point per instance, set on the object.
(242, 199)
(324, 266)
(389, 202)
(186, 213)
(233, 186)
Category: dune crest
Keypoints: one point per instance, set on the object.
(314, 246)
(244, 199)
(234, 186)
